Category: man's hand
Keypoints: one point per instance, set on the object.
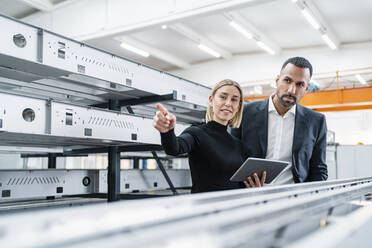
(163, 120)
(257, 182)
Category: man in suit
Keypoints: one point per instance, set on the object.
(279, 128)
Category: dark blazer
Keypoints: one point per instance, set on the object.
(309, 139)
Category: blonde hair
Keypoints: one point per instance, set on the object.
(235, 121)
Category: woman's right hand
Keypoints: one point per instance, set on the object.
(163, 120)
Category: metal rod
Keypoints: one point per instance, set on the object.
(142, 100)
(52, 161)
(113, 175)
(165, 174)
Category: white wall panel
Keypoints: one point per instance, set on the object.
(351, 127)
(354, 161)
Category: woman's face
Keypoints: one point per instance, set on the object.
(225, 103)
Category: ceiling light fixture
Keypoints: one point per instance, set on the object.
(310, 18)
(329, 42)
(360, 79)
(240, 29)
(209, 50)
(164, 26)
(265, 47)
(134, 49)
(314, 17)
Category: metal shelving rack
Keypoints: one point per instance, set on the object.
(64, 97)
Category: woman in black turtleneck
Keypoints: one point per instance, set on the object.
(214, 155)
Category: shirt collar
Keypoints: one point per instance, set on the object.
(272, 108)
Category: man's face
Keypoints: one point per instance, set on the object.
(292, 84)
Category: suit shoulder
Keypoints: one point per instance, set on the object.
(253, 104)
(313, 113)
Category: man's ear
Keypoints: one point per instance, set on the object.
(307, 86)
(277, 80)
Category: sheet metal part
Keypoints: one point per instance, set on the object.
(219, 219)
(36, 62)
(29, 184)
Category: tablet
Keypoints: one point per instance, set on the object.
(272, 167)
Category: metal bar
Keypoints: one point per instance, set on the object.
(113, 175)
(165, 174)
(52, 161)
(130, 110)
(150, 157)
(43, 155)
(140, 148)
(127, 148)
(142, 100)
(135, 163)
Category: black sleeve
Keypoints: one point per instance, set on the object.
(318, 167)
(173, 145)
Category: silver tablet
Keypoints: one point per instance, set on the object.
(272, 167)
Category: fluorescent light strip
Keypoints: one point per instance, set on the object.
(310, 18)
(134, 49)
(329, 42)
(240, 29)
(209, 50)
(265, 47)
(361, 80)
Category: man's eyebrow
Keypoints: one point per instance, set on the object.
(288, 77)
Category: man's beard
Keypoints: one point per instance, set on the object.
(285, 103)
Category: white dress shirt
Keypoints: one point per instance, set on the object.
(280, 140)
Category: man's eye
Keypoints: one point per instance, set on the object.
(300, 84)
(287, 80)
(223, 97)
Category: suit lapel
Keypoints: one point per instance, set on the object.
(301, 123)
(262, 128)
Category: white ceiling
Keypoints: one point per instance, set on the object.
(280, 21)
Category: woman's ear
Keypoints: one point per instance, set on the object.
(210, 100)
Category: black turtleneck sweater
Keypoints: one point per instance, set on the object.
(214, 155)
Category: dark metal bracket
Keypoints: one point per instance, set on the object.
(141, 100)
(165, 174)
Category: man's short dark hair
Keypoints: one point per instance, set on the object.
(299, 62)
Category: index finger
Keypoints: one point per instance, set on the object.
(162, 109)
